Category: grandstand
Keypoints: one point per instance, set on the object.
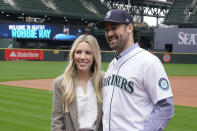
(81, 15)
(182, 12)
(180, 35)
(192, 9)
(86, 9)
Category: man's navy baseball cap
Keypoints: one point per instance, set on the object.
(117, 16)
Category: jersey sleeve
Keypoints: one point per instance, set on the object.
(156, 82)
(158, 119)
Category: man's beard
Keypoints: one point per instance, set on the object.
(120, 42)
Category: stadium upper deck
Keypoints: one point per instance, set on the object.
(66, 9)
(182, 12)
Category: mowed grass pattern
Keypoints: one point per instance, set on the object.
(181, 69)
(25, 109)
(27, 70)
(185, 119)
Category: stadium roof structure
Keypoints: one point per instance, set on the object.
(90, 10)
(154, 8)
(141, 8)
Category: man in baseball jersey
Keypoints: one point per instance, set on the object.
(136, 91)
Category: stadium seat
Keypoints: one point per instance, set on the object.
(176, 14)
(86, 9)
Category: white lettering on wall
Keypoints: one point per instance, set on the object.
(187, 38)
(29, 54)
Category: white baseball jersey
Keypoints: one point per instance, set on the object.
(132, 86)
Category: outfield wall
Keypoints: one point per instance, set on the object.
(185, 58)
(107, 56)
(183, 40)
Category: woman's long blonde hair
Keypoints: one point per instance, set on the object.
(70, 74)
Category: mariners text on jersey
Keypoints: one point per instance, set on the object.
(119, 81)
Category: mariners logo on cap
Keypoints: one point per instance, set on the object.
(127, 20)
(108, 14)
(163, 84)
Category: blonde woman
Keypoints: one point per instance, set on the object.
(77, 97)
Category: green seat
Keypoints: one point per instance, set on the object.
(64, 8)
(176, 14)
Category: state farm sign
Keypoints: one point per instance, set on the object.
(23, 54)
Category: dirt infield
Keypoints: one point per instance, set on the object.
(184, 88)
(45, 84)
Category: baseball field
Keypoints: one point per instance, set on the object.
(26, 96)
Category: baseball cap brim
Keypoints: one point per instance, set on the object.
(101, 24)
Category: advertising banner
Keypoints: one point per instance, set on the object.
(182, 40)
(23, 54)
(39, 31)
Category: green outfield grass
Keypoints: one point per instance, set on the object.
(185, 119)
(25, 109)
(26, 70)
(181, 69)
